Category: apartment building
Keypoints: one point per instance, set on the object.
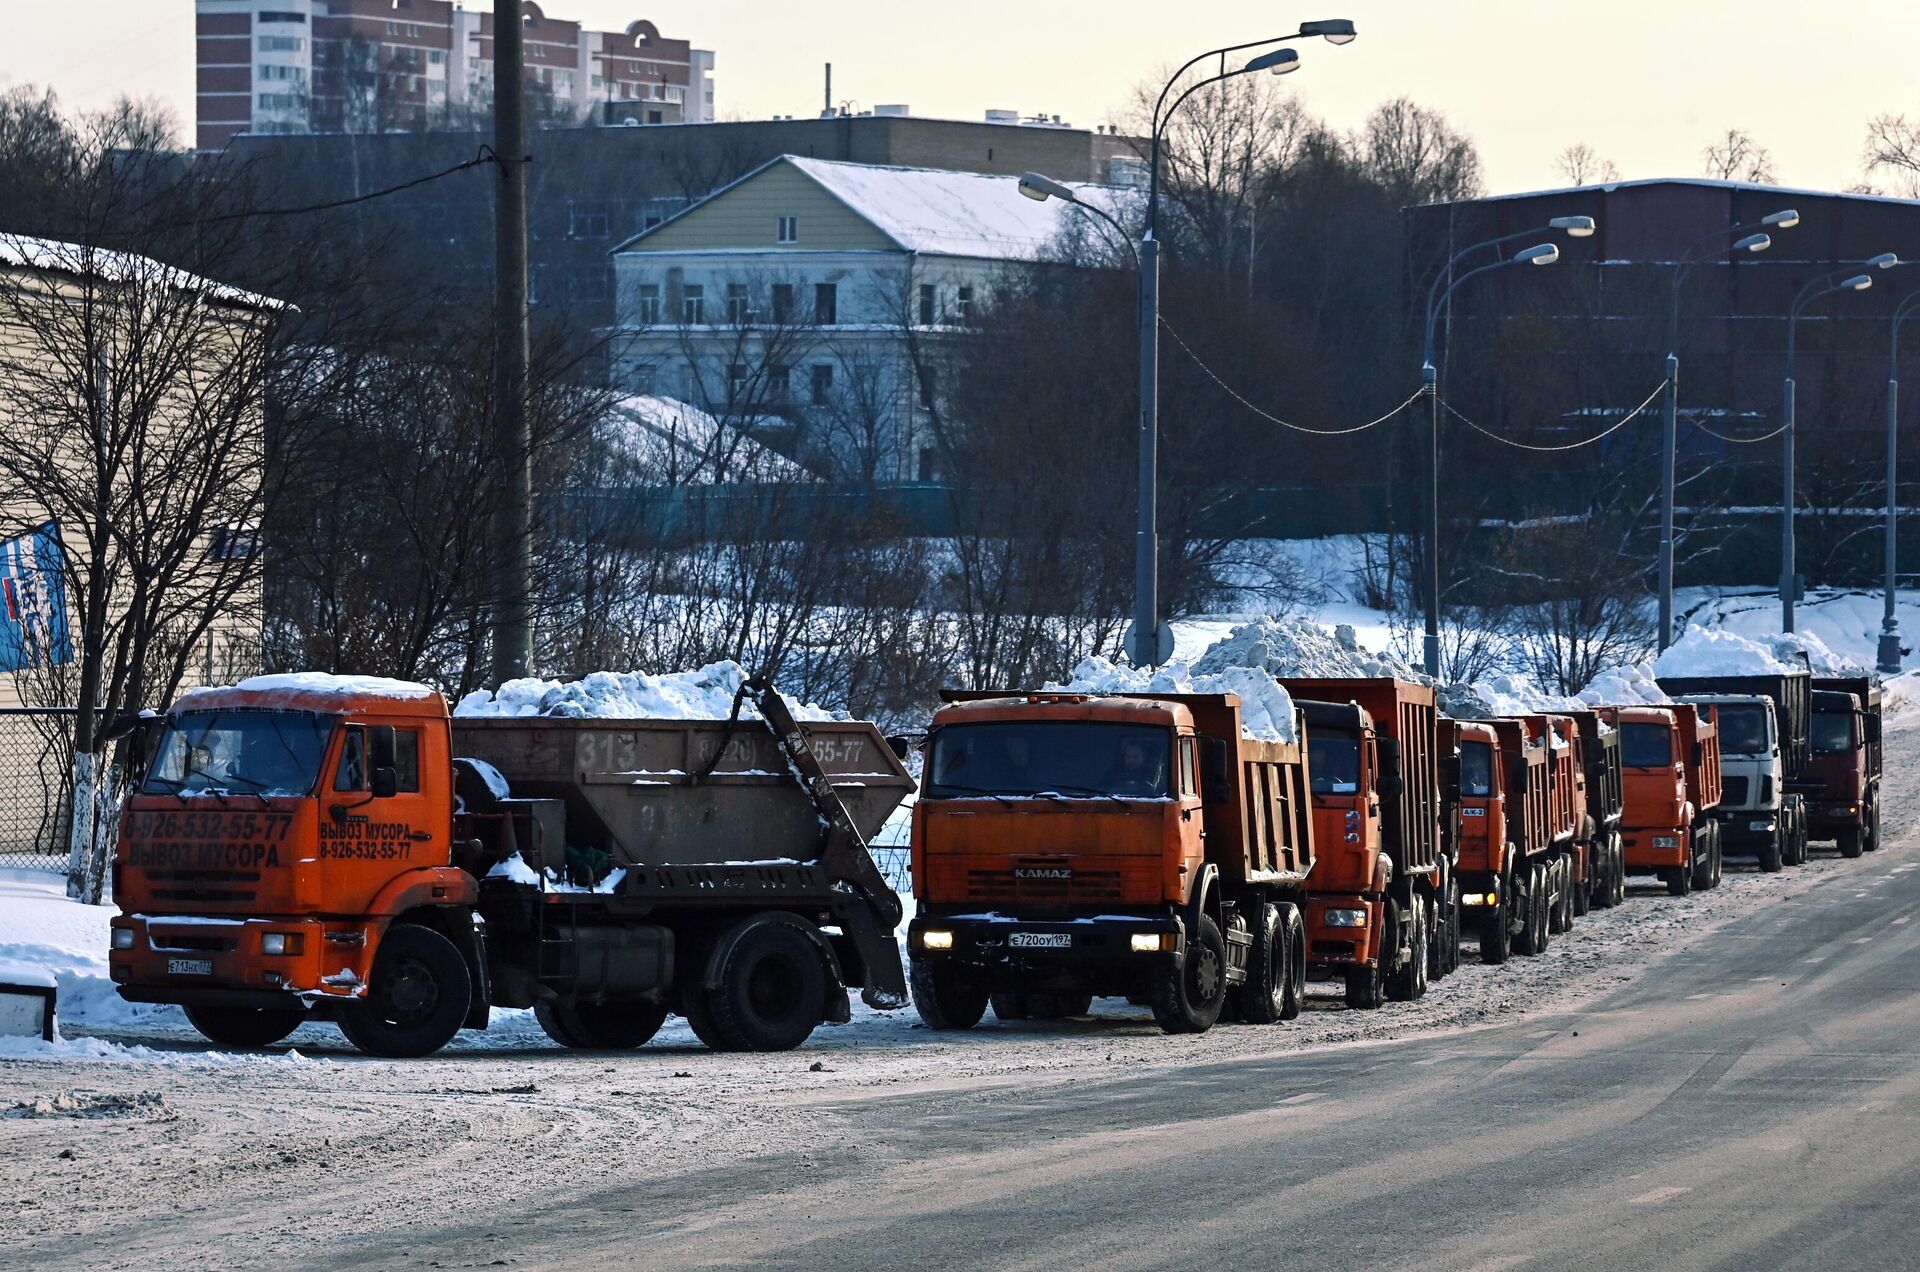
(378, 66)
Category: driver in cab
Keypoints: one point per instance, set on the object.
(1137, 772)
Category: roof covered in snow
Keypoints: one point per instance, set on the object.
(935, 212)
(18, 251)
(312, 691)
(675, 443)
(1703, 183)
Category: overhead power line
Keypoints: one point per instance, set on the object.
(1268, 416)
(1615, 427)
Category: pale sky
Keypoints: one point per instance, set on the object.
(1645, 84)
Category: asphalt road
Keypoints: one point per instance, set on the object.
(1752, 1102)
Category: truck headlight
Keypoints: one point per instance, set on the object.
(936, 939)
(1151, 942)
(123, 938)
(1346, 918)
(282, 943)
(1666, 841)
(1476, 898)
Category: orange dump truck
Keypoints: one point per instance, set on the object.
(1381, 869)
(1506, 834)
(1068, 846)
(311, 847)
(1564, 860)
(1670, 768)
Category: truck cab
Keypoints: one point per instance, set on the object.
(275, 835)
(1757, 814)
(1842, 777)
(1670, 766)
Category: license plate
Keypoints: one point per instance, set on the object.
(189, 967)
(1758, 826)
(1040, 940)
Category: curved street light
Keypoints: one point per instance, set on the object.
(1814, 290)
(1755, 240)
(1889, 653)
(1144, 645)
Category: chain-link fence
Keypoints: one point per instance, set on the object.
(36, 786)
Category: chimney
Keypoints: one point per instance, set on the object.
(826, 106)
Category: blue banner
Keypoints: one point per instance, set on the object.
(33, 589)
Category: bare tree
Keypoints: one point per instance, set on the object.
(1581, 164)
(1417, 155)
(1736, 156)
(1892, 150)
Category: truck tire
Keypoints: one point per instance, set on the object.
(616, 1026)
(245, 1026)
(1619, 869)
(1773, 853)
(1450, 930)
(1296, 946)
(772, 986)
(1406, 984)
(1559, 895)
(1679, 880)
(1009, 1006)
(1532, 938)
(417, 996)
(1802, 852)
(700, 1020)
(1850, 842)
(944, 996)
(1871, 816)
(1188, 998)
(1496, 926)
(1264, 996)
(1366, 988)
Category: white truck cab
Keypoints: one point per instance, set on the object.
(1756, 813)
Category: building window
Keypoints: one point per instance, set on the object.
(234, 543)
(651, 219)
(963, 306)
(436, 56)
(276, 15)
(782, 303)
(926, 304)
(279, 101)
(586, 223)
(926, 463)
(642, 379)
(926, 387)
(788, 230)
(826, 304)
(653, 116)
(693, 304)
(648, 309)
(737, 311)
(822, 383)
(736, 382)
(779, 381)
(282, 43)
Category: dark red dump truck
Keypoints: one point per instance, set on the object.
(1841, 782)
(1373, 899)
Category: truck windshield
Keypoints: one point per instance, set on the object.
(1476, 770)
(1832, 732)
(1743, 729)
(243, 752)
(1070, 759)
(1646, 746)
(1334, 759)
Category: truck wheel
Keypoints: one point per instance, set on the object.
(1559, 896)
(700, 1020)
(1619, 870)
(1188, 999)
(1581, 891)
(1872, 819)
(944, 995)
(772, 986)
(1703, 868)
(1296, 947)
(1366, 988)
(1496, 927)
(246, 1026)
(1679, 881)
(1849, 842)
(1264, 996)
(1801, 850)
(1008, 1006)
(1533, 928)
(599, 1026)
(1410, 982)
(1773, 853)
(417, 998)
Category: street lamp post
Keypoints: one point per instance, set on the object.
(1822, 286)
(1144, 645)
(1541, 254)
(1889, 659)
(1752, 242)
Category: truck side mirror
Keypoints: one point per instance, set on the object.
(900, 745)
(1388, 782)
(1215, 761)
(383, 778)
(1699, 754)
(1872, 730)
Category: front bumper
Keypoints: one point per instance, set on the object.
(1833, 815)
(1746, 829)
(993, 940)
(1342, 945)
(1642, 852)
(200, 960)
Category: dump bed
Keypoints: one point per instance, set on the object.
(1263, 831)
(1527, 783)
(687, 792)
(1866, 691)
(1566, 800)
(1407, 720)
(1600, 758)
(1792, 696)
(1700, 750)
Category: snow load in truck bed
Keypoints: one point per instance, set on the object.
(1266, 711)
(1715, 651)
(1299, 647)
(705, 694)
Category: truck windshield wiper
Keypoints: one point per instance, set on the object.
(1095, 791)
(945, 787)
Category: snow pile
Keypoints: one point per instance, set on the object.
(45, 937)
(1299, 647)
(1705, 651)
(1788, 647)
(319, 682)
(706, 694)
(1625, 687)
(1266, 710)
(1502, 696)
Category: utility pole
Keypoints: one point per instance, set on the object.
(513, 532)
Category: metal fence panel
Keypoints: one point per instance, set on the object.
(36, 786)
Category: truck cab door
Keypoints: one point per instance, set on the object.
(378, 808)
